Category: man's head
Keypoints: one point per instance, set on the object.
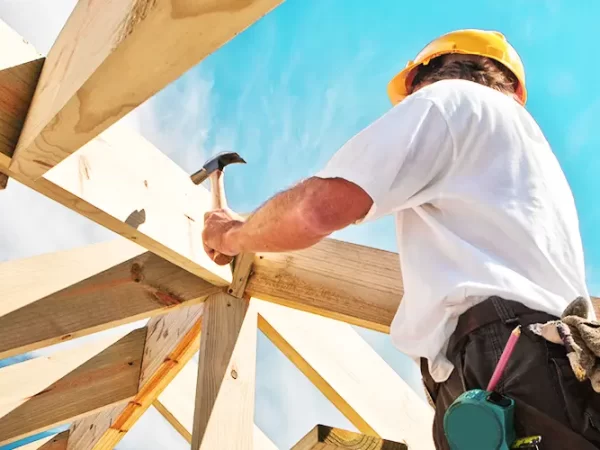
(478, 69)
(481, 56)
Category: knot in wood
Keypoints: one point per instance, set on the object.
(137, 274)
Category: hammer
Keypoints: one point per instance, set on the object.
(213, 169)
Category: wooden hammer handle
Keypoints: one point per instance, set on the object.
(217, 190)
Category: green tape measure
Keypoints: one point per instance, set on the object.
(483, 420)
(480, 420)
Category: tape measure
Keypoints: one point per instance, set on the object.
(480, 420)
(483, 420)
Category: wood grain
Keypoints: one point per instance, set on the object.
(112, 56)
(144, 286)
(127, 185)
(119, 180)
(350, 374)
(327, 438)
(109, 377)
(241, 273)
(356, 284)
(171, 341)
(20, 67)
(25, 281)
(353, 283)
(176, 404)
(224, 411)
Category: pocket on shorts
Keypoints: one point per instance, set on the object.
(582, 404)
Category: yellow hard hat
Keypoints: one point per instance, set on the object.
(491, 44)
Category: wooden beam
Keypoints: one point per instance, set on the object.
(176, 404)
(20, 67)
(327, 438)
(348, 282)
(350, 374)
(25, 281)
(119, 180)
(224, 411)
(171, 342)
(355, 284)
(43, 393)
(141, 287)
(124, 183)
(112, 56)
(241, 273)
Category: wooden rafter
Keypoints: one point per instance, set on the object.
(25, 281)
(224, 412)
(112, 56)
(171, 342)
(20, 66)
(327, 438)
(350, 374)
(176, 404)
(42, 393)
(121, 181)
(118, 180)
(141, 287)
(352, 283)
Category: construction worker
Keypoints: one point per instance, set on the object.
(487, 231)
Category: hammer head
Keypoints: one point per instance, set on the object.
(217, 162)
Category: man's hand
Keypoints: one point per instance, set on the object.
(218, 235)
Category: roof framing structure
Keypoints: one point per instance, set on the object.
(57, 138)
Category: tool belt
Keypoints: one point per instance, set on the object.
(491, 310)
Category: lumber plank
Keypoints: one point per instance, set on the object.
(241, 273)
(350, 374)
(356, 284)
(124, 183)
(20, 67)
(327, 438)
(141, 287)
(25, 281)
(171, 341)
(176, 404)
(353, 283)
(224, 410)
(32, 401)
(119, 180)
(112, 56)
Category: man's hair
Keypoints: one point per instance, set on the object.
(479, 69)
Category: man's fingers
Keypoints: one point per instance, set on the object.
(209, 251)
(222, 259)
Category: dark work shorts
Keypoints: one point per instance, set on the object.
(549, 400)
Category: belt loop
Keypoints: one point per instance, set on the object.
(504, 310)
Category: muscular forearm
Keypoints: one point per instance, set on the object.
(284, 223)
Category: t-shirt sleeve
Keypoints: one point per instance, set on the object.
(399, 160)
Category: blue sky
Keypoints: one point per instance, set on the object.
(288, 93)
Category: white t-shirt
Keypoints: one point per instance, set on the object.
(482, 208)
